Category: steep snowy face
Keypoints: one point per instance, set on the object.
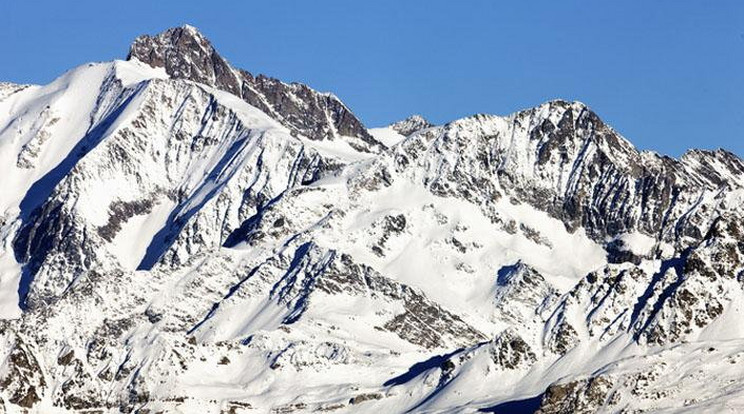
(152, 159)
(187, 54)
(180, 236)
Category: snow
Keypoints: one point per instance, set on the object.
(386, 135)
(422, 258)
(132, 72)
(339, 149)
(130, 243)
(638, 243)
(71, 98)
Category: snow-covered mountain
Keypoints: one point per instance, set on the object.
(178, 235)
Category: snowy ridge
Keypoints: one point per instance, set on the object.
(177, 235)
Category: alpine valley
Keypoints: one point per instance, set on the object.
(179, 235)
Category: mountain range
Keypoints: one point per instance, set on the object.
(180, 235)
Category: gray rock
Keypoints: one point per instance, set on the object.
(185, 53)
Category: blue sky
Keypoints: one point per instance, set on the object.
(669, 75)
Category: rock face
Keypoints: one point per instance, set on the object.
(408, 126)
(185, 53)
(177, 235)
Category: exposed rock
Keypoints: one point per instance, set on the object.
(23, 379)
(365, 397)
(185, 53)
(411, 125)
(510, 351)
(585, 396)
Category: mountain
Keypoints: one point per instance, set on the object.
(185, 53)
(177, 235)
(408, 126)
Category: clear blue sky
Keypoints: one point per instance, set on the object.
(669, 75)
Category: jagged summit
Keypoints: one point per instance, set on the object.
(185, 53)
(176, 38)
(411, 125)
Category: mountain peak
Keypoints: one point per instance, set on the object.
(185, 53)
(410, 125)
(180, 38)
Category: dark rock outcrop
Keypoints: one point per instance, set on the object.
(411, 125)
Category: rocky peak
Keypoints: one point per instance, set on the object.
(187, 54)
(410, 125)
(184, 40)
